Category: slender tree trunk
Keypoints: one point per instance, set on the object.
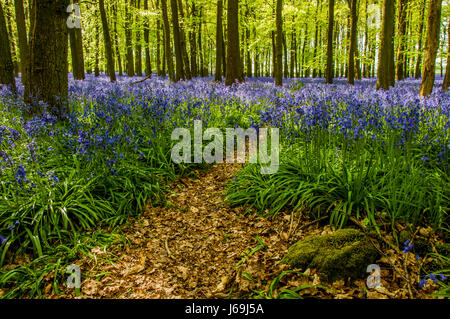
(193, 43)
(285, 57)
(316, 37)
(279, 44)
(400, 71)
(23, 41)
(129, 39)
(418, 72)
(108, 43)
(201, 55)
(138, 44)
(167, 46)
(158, 43)
(148, 63)
(219, 39)
(6, 63)
(234, 71)
(431, 47)
(116, 42)
(97, 51)
(177, 42)
(330, 60)
(12, 40)
(446, 84)
(353, 41)
(186, 63)
(386, 54)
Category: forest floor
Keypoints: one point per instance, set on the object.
(198, 247)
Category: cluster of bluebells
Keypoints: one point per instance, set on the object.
(408, 246)
(435, 278)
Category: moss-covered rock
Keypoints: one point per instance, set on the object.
(343, 254)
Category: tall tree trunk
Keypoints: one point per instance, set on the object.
(138, 45)
(177, 42)
(446, 83)
(234, 70)
(129, 39)
(279, 44)
(386, 54)
(23, 41)
(108, 43)
(418, 72)
(186, 63)
(431, 47)
(402, 13)
(76, 47)
(167, 46)
(97, 51)
(193, 42)
(48, 55)
(293, 50)
(330, 60)
(12, 40)
(6, 63)
(316, 37)
(148, 63)
(353, 41)
(219, 39)
(285, 57)
(158, 43)
(116, 42)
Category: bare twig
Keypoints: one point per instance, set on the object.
(167, 249)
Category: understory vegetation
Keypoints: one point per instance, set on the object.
(346, 152)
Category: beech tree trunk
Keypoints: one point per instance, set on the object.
(400, 70)
(446, 84)
(219, 39)
(184, 53)
(418, 71)
(167, 46)
(431, 47)
(234, 70)
(177, 42)
(330, 60)
(48, 77)
(385, 76)
(129, 40)
(6, 64)
(23, 41)
(279, 44)
(148, 63)
(353, 41)
(138, 46)
(108, 43)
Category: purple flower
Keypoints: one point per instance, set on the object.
(408, 246)
(2, 240)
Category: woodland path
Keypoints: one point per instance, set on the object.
(191, 248)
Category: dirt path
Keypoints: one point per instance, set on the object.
(191, 249)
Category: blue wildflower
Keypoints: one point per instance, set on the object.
(408, 246)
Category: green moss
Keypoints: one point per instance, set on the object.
(344, 254)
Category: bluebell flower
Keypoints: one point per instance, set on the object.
(408, 246)
(2, 240)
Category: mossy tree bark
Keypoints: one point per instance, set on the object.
(431, 47)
